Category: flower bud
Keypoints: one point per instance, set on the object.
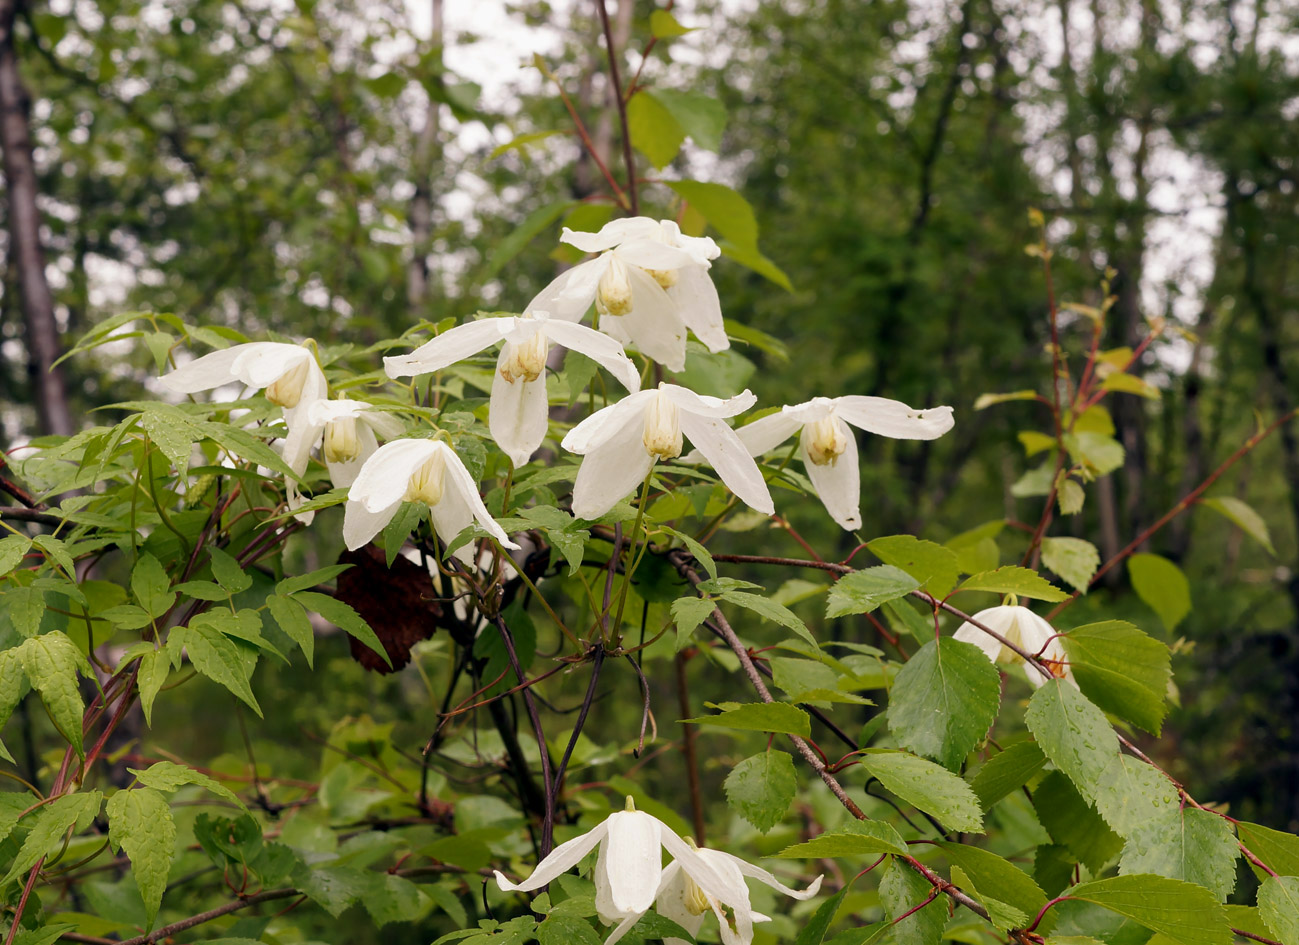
(341, 444)
(667, 278)
(426, 483)
(526, 360)
(613, 292)
(662, 436)
(825, 440)
(286, 390)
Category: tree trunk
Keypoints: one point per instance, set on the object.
(47, 386)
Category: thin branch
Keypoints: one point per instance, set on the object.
(622, 108)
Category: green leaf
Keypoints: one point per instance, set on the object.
(761, 787)
(994, 876)
(48, 825)
(760, 717)
(1184, 843)
(168, 776)
(1002, 915)
(155, 667)
(688, 613)
(26, 609)
(655, 131)
(291, 617)
(1070, 496)
(1073, 559)
(57, 551)
(663, 25)
(926, 786)
(1073, 733)
(12, 677)
(343, 616)
(520, 142)
(934, 566)
(1007, 771)
(522, 235)
(1122, 670)
(751, 258)
(1278, 904)
(1162, 585)
(51, 663)
(856, 838)
(702, 117)
(903, 889)
(984, 401)
(769, 609)
(392, 898)
(560, 929)
(724, 209)
(12, 550)
(814, 929)
(1014, 580)
(863, 591)
(1132, 792)
(228, 573)
(697, 550)
(1074, 823)
(1184, 912)
(1129, 384)
(218, 658)
(944, 700)
(200, 590)
(1243, 516)
(1098, 452)
(291, 585)
(172, 432)
(333, 888)
(151, 586)
(140, 822)
(1280, 851)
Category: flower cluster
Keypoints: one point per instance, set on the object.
(649, 286)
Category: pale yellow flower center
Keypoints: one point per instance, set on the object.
(613, 293)
(667, 278)
(825, 441)
(527, 360)
(341, 444)
(662, 436)
(286, 390)
(695, 899)
(427, 482)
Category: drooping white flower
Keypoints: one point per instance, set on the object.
(427, 471)
(622, 441)
(346, 435)
(649, 284)
(828, 447)
(1027, 631)
(518, 410)
(684, 901)
(628, 869)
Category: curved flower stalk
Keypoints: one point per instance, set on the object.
(828, 447)
(682, 899)
(427, 471)
(628, 870)
(622, 441)
(518, 411)
(649, 284)
(1027, 631)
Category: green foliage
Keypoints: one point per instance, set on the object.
(1184, 912)
(928, 787)
(760, 788)
(945, 700)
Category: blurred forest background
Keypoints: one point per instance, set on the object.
(335, 168)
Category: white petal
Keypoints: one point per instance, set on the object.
(1000, 619)
(727, 455)
(342, 475)
(894, 418)
(838, 483)
(384, 424)
(611, 471)
(211, 370)
(762, 876)
(654, 324)
(570, 294)
(700, 308)
(518, 415)
(599, 347)
(385, 476)
(633, 861)
(360, 525)
(314, 389)
(262, 363)
(611, 234)
(653, 254)
(810, 411)
(713, 883)
(607, 422)
(561, 859)
(670, 902)
(705, 406)
(622, 928)
(766, 433)
(463, 485)
(454, 345)
(701, 248)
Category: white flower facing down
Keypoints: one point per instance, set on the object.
(828, 447)
(622, 441)
(518, 413)
(1027, 631)
(345, 430)
(649, 284)
(427, 471)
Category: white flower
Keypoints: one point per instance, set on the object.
(629, 875)
(622, 441)
(1027, 631)
(649, 284)
(518, 411)
(427, 471)
(828, 447)
(345, 430)
(682, 899)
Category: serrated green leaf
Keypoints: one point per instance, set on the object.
(1073, 559)
(814, 929)
(343, 616)
(688, 613)
(1070, 496)
(702, 117)
(928, 787)
(1007, 771)
(333, 888)
(1073, 733)
(217, 657)
(392, 898)
(901, 890)
(560, 929)
(1162, 585)
(863, 591)
(1122, 670)
(140, 823)
(1014, 580)
(25, 607)
(172, 433)
(1002, 915)
(696, 549)
(1184, 912)
(760, 717)
(168, 776)
(1242, 515)
(1185, 843)
(944, 700)
(57, 551)
(1278, 905)
(1280, 851)
(1074, 823)
(291, 617)
(201, 590)
(856, 838)
(51, 663)
(770, 610)
(997, 877)
(151, 586)
(932, 565)
(227, 572)
(761, 787)
(12, 550)
(1132, 792)
(291, 585)
(48, 824)
(155, 667)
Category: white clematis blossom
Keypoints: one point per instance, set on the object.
(427, 471)
(622, 441)
(345, 430)
(649, 284)
(828, 447)
(1027, 631)
(518, 412)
